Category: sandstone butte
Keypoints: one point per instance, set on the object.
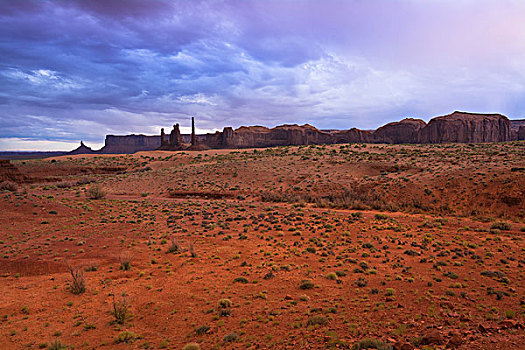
(458, 127)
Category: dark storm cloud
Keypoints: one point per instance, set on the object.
(81, 69)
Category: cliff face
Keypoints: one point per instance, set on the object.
(466, 128)
(129, 144)
(405, 131)
(258, 136)
(521, 133)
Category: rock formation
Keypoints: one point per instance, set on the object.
(521, 133)
(174, 143)
(459, 127)
(82, 149)
(129, 144)
(465, 127)
(405, 131)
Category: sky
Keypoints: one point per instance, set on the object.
(78, 70)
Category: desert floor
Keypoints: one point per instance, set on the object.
(314, 247)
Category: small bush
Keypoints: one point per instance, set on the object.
(126, 337)
(77, 283)
(381, 216)
(191, 346)
(390, 291)
(202, 330)
(125, 261)
(371, 344)
(240, 280)
(317, 320)
(120, 310)
(173, 247)
(96, 192)
(225, 303)
(500, 225)
(56, 345)
(331, 276)
(306, 284)
(228, 338)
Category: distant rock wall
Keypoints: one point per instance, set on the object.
(460, 127)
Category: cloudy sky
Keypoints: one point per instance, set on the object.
(77, 70)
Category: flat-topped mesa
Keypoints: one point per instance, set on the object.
(127, 144)
(463, 127)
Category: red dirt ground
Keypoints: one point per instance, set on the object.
(415, 246)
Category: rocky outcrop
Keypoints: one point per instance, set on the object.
(82, 149)
(405, 131)
(465, 127)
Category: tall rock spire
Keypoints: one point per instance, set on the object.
(193, 138)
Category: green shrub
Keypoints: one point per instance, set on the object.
(500, 225)
(371, 344)
(191, 346)
(126, 337)
(240, 280)
(390, 291)
(306, 284)
(331, 276)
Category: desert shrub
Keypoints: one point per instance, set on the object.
(225, 307)
(120, 310)
(489, 273)
(500, 225)
(173, 247)
(390, 291)
(126, 337)
(125, 261)
(192, 251)
(317, 320)
(228, 338)
(191, 346)
(306, 284)
(202, 330)
(331, 276)
(381, 216)
(77, 283)
(361, 282)
(225, 303)
(371, 344)
(8, 186)
(240, 280)
(96, 192)
(56, 345)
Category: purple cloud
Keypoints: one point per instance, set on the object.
(79, 69)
